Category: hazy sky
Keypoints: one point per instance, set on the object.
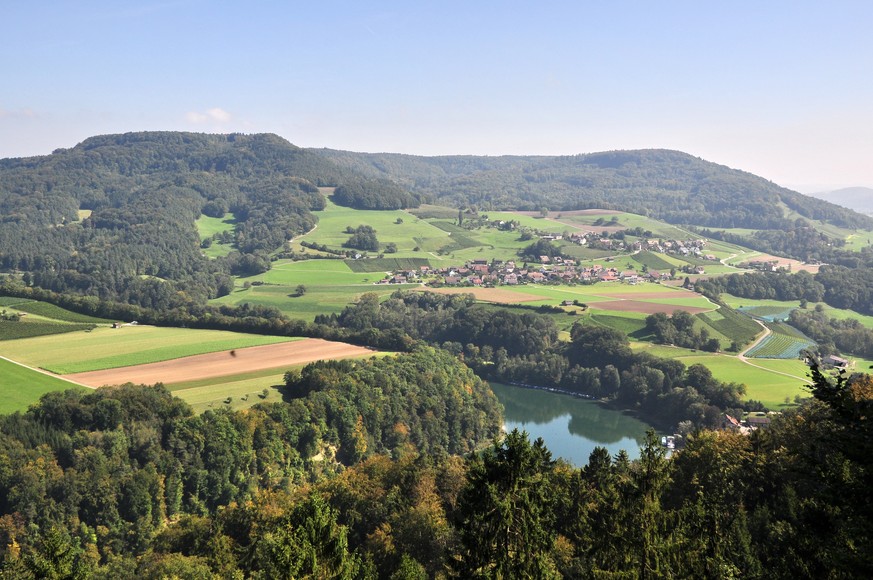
(780, 89)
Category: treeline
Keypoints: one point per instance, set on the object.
(838, 286)
(144, 192)
(108, 471)
(374, 194)
(832, 334)
(678, 330)
(125, 482)
(670, 185)
(250, 318)
(522, 347)
(765, 286)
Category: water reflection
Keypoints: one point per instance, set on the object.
(571, 427)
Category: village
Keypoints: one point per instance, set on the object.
(560, 269)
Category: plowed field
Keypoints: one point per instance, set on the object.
(223, 363)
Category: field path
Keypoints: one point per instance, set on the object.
(224, 363)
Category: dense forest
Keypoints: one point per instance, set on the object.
(125, 482)
(144, 191)
(374, 194)
(114, 216)
(668, 185)
(521, 346)
(838, 286)
(395, 466)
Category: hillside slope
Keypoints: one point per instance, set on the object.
(669, 185)
(144, 192)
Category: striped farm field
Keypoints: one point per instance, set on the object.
(105, 348)
(785, 342)
(223, 364)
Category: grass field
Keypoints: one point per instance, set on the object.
(209, 226)
(764, 384)
(331, 285)
(21, 387)
(105, 348)
(839, 313)
(53, 312)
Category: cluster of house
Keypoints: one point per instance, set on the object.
(498, 272)
(751, 422)
(689, 247)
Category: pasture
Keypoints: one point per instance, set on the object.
(209, 226)
(105, 348)
(20, 386)
(769, 381)
(330, 287)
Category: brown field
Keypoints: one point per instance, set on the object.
(645, 307)
(489, 294)
(792, 265)
(554, 214)
(649, 295)
(223, 363)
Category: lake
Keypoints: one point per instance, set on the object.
(571, 427)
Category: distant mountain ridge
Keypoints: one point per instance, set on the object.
(859, 199)
(670, 185)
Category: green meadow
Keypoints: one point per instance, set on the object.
(21, 387)
(330, 286)
(105, 348)
(764, 381)
(209, 226)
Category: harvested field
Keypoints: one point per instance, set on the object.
(792, 265)
(554, 214)
(497, 295)
(645, 307)
(650, 295)
(223, 363)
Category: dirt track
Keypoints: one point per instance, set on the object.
(223, 363)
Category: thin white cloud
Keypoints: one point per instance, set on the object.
(213, 115)
(25, 113)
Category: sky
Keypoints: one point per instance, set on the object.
(782, 89)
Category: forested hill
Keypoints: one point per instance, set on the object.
(145, 190)
(670, 185)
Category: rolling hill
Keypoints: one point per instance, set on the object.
(669, 185)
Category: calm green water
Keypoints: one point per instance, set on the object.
(571, 427)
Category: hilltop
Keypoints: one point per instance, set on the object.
(115, 215)
(669, 185)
